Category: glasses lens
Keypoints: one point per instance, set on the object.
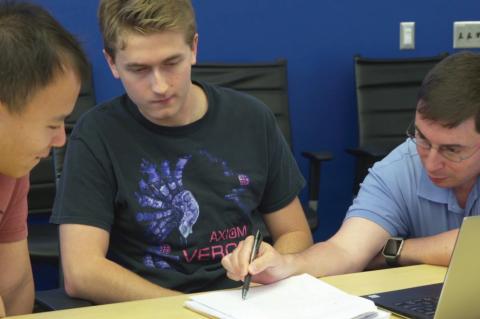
(454, 155)
(450, 156)
(458, 155)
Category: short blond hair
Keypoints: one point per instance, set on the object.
(118, 17)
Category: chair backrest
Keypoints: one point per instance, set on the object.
(86, 100)
(42, 187)
(43, 176)
(386, 97)
(265, 81)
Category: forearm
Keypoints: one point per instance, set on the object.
(293, 242)
(103, 281)
(326, 259)
(19, 299)
(16, 279)
(321, 259)
(433, 250)
(349, 250)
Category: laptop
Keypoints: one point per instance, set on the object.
(457, 297)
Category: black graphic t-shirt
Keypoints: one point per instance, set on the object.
(176, 199)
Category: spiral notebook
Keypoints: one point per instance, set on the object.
(298, 297)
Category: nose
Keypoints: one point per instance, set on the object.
(433, 160)
(159, 83)
(60, 138)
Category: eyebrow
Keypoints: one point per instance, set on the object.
(60, 118)
(174, 57)
(167, 60)
(442, 145)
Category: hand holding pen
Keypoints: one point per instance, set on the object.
(256, 245)
(269, 265)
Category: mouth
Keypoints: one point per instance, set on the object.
(43, 156)
(162, 101)
(437, 180)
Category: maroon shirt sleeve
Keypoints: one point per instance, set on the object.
(13, 208)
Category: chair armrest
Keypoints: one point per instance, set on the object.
(43, 243)
(368, 151)
(315, 161)
(318, 156)
(366, 156)
(57, 299)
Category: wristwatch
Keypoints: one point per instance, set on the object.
(392, 249)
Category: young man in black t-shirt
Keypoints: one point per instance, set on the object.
(161, 183)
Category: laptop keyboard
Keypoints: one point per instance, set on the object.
(425, 306)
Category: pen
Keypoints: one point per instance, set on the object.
(256, 245)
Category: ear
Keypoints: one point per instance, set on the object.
(194, 49)
(111, 64)
(3, 109)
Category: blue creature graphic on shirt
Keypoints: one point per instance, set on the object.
(173, 207)
(237, 192)
(167, 205)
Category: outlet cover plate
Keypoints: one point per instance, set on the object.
(466, 34)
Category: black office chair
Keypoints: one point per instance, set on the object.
(386, 100)
(57, 299)
(267, 82)
(43, 239)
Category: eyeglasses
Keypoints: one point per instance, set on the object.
(454, 153)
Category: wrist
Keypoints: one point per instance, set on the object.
(289, 265)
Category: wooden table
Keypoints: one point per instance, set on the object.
(172, 307)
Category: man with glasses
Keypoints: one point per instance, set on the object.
(411, 204)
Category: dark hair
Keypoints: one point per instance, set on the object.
(450, 93)
(34, 48)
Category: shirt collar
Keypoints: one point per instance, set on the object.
(429, 191)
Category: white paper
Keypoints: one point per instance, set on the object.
(296, 297)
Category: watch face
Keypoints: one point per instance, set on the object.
(392, 247)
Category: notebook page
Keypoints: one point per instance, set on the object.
(300, 296)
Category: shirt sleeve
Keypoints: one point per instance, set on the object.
(380, 199)
(13, 226)
(284, 180)
(87, 189)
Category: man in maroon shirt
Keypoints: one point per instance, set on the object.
(41, 69)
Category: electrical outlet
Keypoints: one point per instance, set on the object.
(407, 35)
(466, 34)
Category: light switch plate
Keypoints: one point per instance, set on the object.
(407, 35)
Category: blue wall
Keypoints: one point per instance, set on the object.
(319, 39)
